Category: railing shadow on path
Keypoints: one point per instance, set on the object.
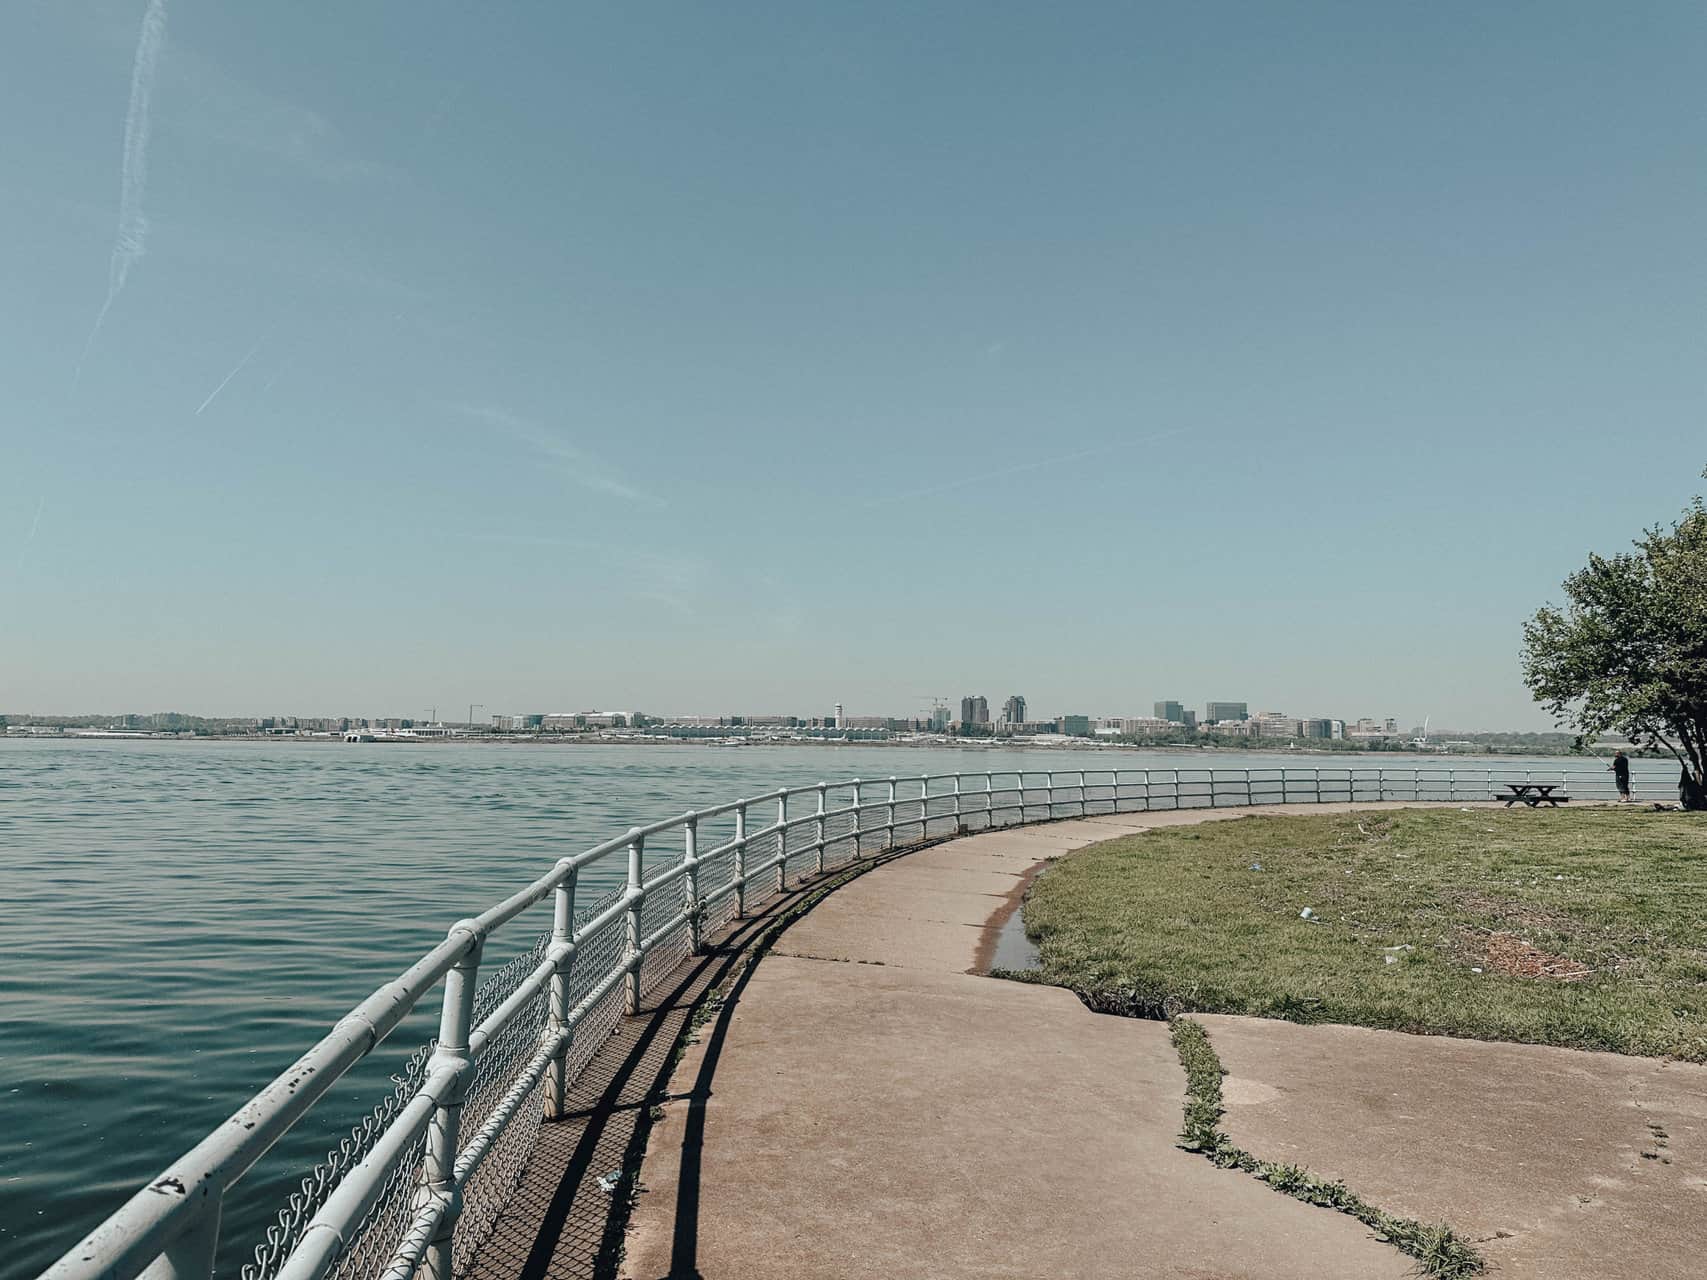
(562, 1223)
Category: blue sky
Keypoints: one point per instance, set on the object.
(760, 356)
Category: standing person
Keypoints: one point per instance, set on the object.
(1621, 776)
(1691, 795)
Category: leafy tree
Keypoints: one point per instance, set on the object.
(1629, 650)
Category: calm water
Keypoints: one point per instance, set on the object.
(179, 920)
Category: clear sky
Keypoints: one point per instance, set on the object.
(741, 356)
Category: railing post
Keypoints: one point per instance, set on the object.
(438, 1168)
(856, 818)
(1019, 781)
(636, 894)
(782, 839)
(562, 935)
(990, 798)
(191, 1255)
(889, 819)
(690, 859)
(1250, 796)
(818, 830)
(957, 804)
(741, 861)
(1114, 790)
(1082, 809)
(1049, 781)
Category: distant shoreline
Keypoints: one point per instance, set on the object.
(1086, 746)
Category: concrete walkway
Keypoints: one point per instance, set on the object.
(1564, 1165)
(870, 1108)
(866, 1106)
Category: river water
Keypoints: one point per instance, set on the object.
(179, 920)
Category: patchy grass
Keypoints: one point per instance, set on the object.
(1439, 1250)
(1589, 927)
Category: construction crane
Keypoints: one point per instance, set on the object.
(934, 702)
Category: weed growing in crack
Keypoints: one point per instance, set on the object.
(1440, 1252)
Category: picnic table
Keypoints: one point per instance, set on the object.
(1532, 794)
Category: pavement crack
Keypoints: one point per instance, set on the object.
(1440, 1252)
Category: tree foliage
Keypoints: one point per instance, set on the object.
(1628, 652)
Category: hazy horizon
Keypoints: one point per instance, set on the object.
(483, 716)
(759, 358)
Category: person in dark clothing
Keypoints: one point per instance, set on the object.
(1690, 794)
(1621, 776)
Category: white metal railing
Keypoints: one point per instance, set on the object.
(418, 1186)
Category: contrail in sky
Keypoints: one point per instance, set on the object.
(34, 525)
(214, 394)
(132, 239)
(1020, 467)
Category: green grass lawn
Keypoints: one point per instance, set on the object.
(1177, 920)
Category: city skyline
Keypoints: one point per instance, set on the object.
(974, 710)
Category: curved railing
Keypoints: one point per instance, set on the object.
(419, 1184)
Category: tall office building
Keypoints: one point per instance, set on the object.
(975, 709)
(1170, 711)
(1226, 711)
(1013, 710)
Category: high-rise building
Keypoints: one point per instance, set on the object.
(1226, 711)
(1277, 724)
(1013, 710)
(837, 722)
(975, 709)
(1077, 726)
(1170, 711)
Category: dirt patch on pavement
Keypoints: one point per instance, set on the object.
(992, 931)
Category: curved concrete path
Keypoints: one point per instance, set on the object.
(869, 1107)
